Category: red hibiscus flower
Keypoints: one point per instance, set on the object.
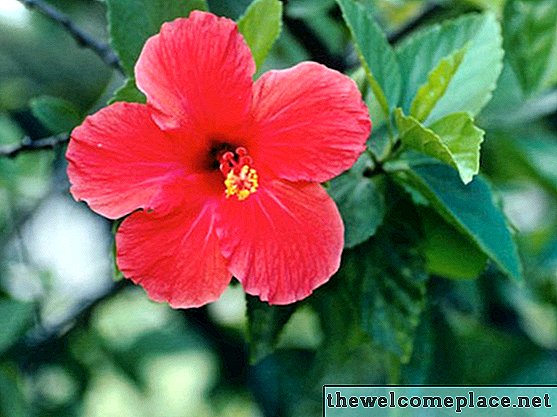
(221, 174)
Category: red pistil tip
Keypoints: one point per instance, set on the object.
(245, 160)
(227, 156)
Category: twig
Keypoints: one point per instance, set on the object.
(83, 39)
(28, 144)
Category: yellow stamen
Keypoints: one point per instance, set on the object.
(241, 184)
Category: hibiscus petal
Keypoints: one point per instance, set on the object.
(119, 160)
(198, 70)
(310, 122)
(175, 256)
(283, 241)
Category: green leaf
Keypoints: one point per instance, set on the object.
(265, 322)
(461, 340)
(511, 107)
(533, 151)
(530, 29)
(14, 318)
(473, 82)
(453, 139)
(470, 208)
(260, 25)
(417, 136)
(117, 275)
(286, 52)
(508, 97)
(281, 383)
(375, 53)
(229, 8)
(129, 93)
(375, 110)
(416, 371)
(541, 370)
(463, 139)
(444, 246)
(132, 22)
(392, 291)
(342, 360)
(328, 31)
(12, 400)
(56, 114)
(300, 9)
(380, 143)
(320, 19)
(380, 288)
(496, 6)
(436, 86)
(540, 155)
(361, 202)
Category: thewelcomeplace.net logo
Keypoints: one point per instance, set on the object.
(439, 401)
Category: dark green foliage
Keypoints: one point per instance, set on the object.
(56, 114)
(379, 292)
(265, 323)
(361, 201)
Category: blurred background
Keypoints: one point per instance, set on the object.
(77, 341)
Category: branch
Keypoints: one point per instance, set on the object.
(28, 144)
(83, 39)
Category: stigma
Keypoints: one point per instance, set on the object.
(241, 178)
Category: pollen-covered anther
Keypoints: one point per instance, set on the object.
(241, 179)
(241, 184)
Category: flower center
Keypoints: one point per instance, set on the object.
(240, 179)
